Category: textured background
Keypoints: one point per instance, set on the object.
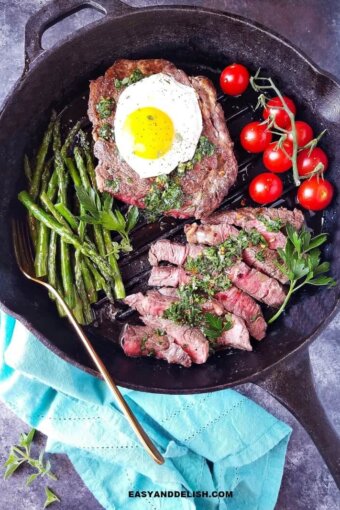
(314, 26)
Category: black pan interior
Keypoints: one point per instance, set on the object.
(203, 43)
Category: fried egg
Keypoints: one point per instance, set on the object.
(157, 125)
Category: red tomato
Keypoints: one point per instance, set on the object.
(255, 137)
(304, 133)
(273, 109)
(275, 159)
(315, 194)
(234, 79)
(265, 188)
(307, 161)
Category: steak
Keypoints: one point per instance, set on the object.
(263, 259)
(253, 282)
(266, 221)
(285, 216)
(236, 337)
(192, 341)
(145, 341)
(153, 303)
(256, 284)
(203, 186)
(238, 302)
(167, 276)
(175, 253)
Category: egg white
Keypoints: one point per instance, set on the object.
(179, 102)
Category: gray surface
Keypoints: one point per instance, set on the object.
(306, 482)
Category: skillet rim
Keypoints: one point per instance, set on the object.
(80, 33)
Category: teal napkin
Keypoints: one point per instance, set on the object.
(217, 441)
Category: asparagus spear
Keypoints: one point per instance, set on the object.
(97, 229)
(70, 238)
(28, 169)
(87, 312)
(41, 156)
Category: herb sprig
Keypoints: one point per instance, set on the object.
(301, 263)
(98, 212)
(215, 325)
(21, 453)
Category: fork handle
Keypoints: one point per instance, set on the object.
(138, 429)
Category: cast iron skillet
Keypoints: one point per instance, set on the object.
(200, 41)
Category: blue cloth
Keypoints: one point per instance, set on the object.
(213, 441)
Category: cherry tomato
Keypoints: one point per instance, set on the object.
(255, 137)
(274, 109)
(275, 158)
(315, 194)
(308, 160)
(234, 79)
(265, 188)
(304, 133)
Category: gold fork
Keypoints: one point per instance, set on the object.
(24, 256)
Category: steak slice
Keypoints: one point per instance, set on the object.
(209, 234)
(253, 282)
(175, 253)
(205, 185)
(263, 259)
(145, 341)
(192, 341)
(153, 303)
(167, 276)
(236, 337)
(239, 303)
(256, 284)
(294, 217)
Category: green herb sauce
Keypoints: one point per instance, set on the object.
(105, 107)
(164, 194)
(106, 132)
(129, 80)
(204, 148)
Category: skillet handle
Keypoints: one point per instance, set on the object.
(293, 386)
(57, 10)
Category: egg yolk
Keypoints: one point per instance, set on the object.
(151, 132)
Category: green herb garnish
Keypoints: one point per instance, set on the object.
(50, 497)
(204, 148)
(105, 106)
(164, 194)
(129, 80)
(106, 132)
(97, 213)
(301, 263)
(112, 184)
(260, 256)
(21, 453)
(215, 325)
(272, 225)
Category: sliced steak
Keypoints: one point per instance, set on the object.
(205, 185)
(294, 217)
(209, 234)
(145, 341)
(192, 341)
(256, 284)
(175, 253)
(248, 223)
(167, 276)
(263, 259)
(153, 303)
(253, 282)
(237, 336)
(238, 302)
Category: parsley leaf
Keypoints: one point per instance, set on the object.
(50, 497)
(300, 262)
